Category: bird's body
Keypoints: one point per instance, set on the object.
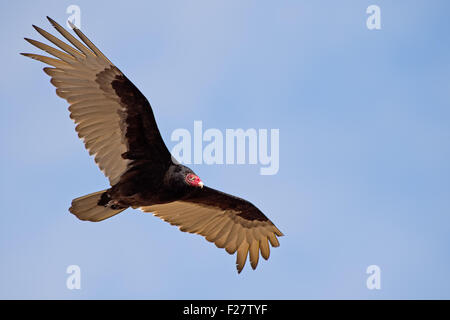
(117, 125)
(141, 187)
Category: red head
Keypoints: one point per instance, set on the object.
(193, 180)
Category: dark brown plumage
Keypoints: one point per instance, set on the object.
(117, 125)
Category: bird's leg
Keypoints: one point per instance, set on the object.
(113, 204)
(108, 202)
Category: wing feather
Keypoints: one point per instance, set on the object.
(231, 241)
(254, 253)
(60, 44)
(70, 38)
(54, 52)
(264, 246)
(241, 256)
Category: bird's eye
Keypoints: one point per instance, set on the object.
(191, 178)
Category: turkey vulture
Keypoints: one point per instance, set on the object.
(117, 125)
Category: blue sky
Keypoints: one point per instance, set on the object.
(364, 149)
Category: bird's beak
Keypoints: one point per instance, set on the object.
(200, 184)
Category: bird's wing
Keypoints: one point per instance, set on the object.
(112, 116)
(230, 222)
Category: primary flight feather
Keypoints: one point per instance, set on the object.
(117, 125)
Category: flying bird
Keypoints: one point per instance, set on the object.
(117, 125)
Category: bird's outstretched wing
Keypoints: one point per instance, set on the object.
(113, 117)
(230, 222)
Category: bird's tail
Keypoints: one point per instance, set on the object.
(87, 208)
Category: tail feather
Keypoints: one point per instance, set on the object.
(87, 208)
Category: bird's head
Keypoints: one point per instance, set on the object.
(183, 179)
(193, 180)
